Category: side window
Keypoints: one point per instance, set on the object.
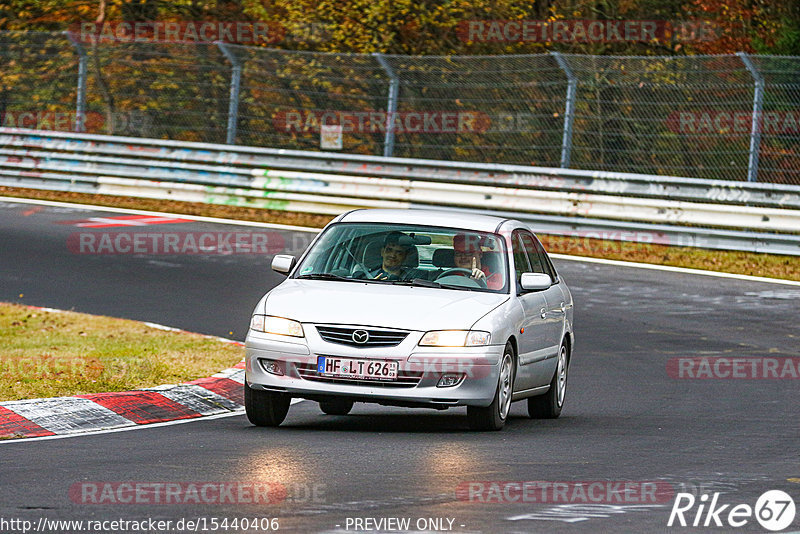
(520, 258)
(551, 269)
(532, 251)
(544, 259)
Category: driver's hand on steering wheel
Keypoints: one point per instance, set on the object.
(477, 274)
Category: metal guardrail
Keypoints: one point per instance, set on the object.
(629, 207)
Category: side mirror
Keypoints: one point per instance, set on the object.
(283, 263)
(535, 281)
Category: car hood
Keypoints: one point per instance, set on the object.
(388, 306)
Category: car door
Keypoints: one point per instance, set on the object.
(552, 326)
(558, 302)
(533, 349)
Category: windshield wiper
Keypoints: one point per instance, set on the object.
(428, 283)
(416, 282)
(325, 276)
(455, 286)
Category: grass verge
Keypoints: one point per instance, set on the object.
(50, 354)
(769, 265)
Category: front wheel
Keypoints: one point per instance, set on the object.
(493, 417)
(265, 408)
(548, 406)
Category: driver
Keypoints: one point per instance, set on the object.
(394, 253)
(467, 255)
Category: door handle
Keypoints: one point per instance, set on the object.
(563, 308)
(544, 313)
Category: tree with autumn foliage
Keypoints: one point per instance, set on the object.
(429, 27)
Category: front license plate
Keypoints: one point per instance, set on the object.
(360, 369)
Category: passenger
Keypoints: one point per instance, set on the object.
(467, 255)
(394, 254)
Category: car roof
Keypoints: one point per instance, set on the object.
(450, 219)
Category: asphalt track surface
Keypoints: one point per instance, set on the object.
(626, 419)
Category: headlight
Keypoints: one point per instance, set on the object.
(276, 325)
(455, 338)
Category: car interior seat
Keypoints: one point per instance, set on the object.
(444, 258)
(492, 261)
(373, 260)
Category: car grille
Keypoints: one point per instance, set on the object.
(377, 338)
(405, 379)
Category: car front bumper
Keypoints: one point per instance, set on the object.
(420, 370)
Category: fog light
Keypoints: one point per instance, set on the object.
(449, 380)
(272, 367)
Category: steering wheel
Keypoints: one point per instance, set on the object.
(462, 272)
(360, 272)
(456, 270)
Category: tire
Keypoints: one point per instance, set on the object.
(336, 407)
(493, 417)
(265, 408)
(549, 405)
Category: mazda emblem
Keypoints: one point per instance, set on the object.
(360, 336)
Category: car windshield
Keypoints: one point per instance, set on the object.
(426, 256)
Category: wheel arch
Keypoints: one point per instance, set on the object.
(513, 342)
(568, 341)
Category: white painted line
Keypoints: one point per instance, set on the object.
(198, 218)
(103, 221)
(135, 427)
(683, 270)
(162, 327)
(51, 310)
(173, 329)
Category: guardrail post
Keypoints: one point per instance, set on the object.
(80, 105)
(569, 109)
(236, 84)
(755, 127)
(391, 105)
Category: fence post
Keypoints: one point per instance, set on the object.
(569, 109)
(236, 84)
(80, 105)
(391, 105)
(755, 126)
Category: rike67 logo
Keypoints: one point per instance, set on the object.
(774, 510)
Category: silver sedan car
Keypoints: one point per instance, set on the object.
(413, 308)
